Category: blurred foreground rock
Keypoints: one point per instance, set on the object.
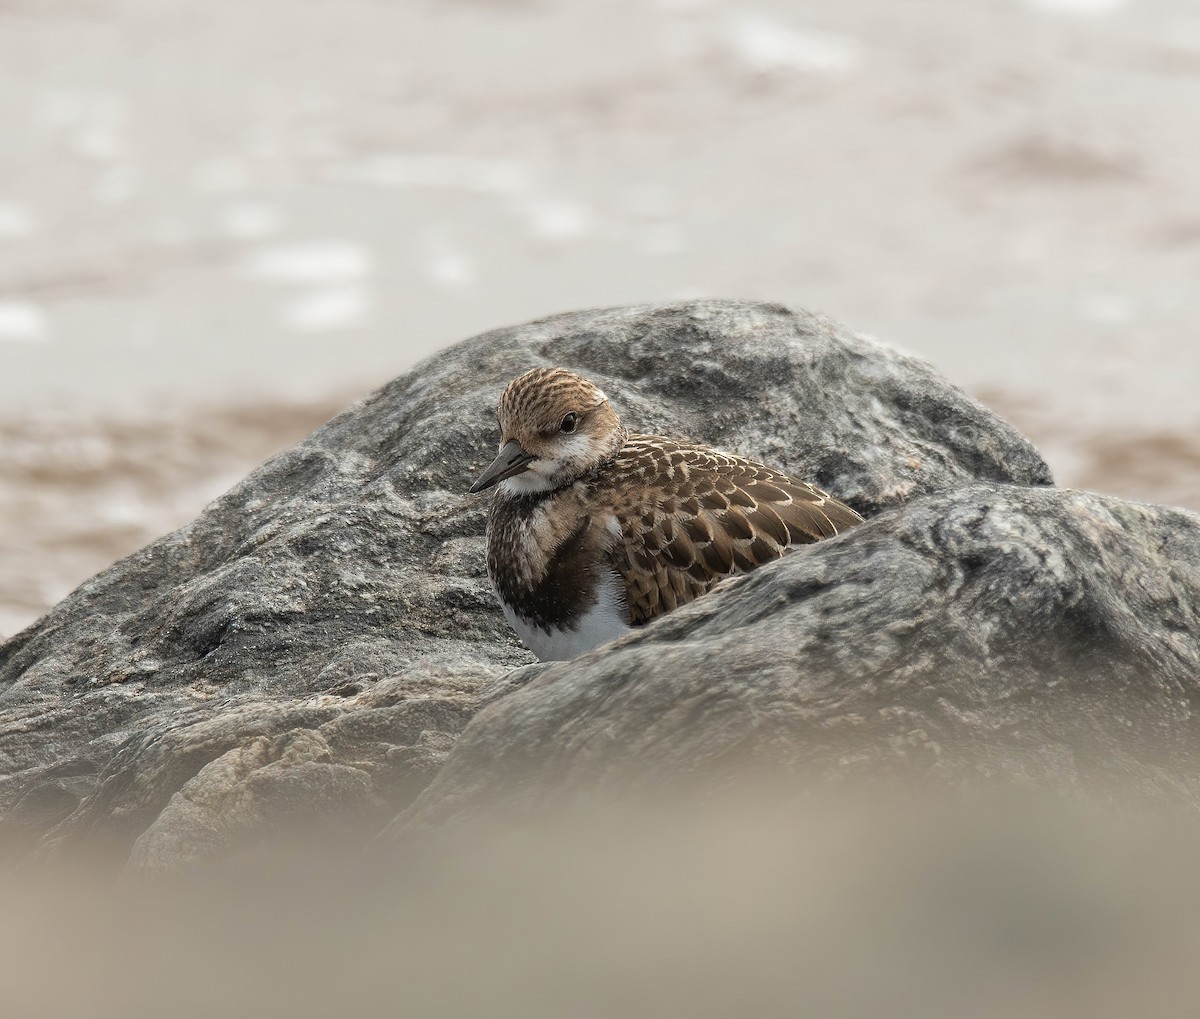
(313, 644)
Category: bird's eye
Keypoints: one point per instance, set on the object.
(569, 422)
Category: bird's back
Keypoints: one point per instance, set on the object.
(689, 517)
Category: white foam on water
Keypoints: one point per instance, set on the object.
(98, 141)
(767, 46)
(560, 221)
(662, 239)
(1108, 309)
(22, 321)
(122, 509)
(118, 184)
(436, 170)
(323, 310)
(1089, 8)
(685, 39)
(335, 261)
(172, 232)
(16, 220)
(1181, 34)
(221, 174)
(451, 268)
(650, 201)
(250, 221)
(61, 110)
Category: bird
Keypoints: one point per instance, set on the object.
(594, 531)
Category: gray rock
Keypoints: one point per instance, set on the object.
(339, 591)
(992, 632)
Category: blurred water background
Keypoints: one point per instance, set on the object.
(222, 221)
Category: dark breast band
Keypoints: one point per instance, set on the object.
(568, 589)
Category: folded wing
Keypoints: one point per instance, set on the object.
(691, 517)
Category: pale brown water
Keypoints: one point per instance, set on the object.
(81, 492)
(221, 221)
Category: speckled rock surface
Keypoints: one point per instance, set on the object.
(1038, 634)
(339, 591)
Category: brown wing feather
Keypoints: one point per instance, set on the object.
(690, 517)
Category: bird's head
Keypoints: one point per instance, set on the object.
(555, 427)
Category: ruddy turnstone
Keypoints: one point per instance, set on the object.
(593, 531)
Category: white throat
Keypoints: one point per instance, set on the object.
(544, 474)
(525, 483)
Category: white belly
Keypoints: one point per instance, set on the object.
(606, 620)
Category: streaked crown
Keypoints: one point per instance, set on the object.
(539, 400)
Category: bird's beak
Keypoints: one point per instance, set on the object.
(512, 459)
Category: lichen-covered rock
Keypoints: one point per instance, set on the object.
(994, 631)
(340, 589)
